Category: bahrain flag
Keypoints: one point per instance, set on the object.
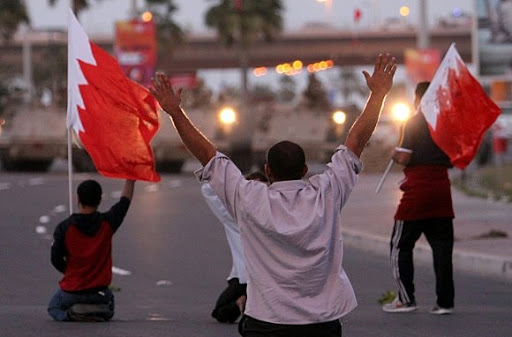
(457, 110)
(113, 117)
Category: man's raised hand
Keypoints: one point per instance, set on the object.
(381, 80)
(162, 90)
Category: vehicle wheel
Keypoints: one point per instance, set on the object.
(170, 166)
(8, 164)
(35, 165)
(82, 162)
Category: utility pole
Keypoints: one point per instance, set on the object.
(241, 146)
(422, 35)
(134, 9)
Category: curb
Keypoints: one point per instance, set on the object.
(476, 263)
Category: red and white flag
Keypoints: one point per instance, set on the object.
(457, 110)
(114, 117)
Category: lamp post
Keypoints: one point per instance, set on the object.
(133, 8)
(422, 35)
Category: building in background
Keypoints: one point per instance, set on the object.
(493, 38)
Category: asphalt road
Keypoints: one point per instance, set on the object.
(171, 260)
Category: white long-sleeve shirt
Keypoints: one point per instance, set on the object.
(291, 238)
(232, 233)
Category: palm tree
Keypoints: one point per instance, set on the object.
(240, 23)
(78, 5)
(168, 31)
(12, 14)
(243, 22)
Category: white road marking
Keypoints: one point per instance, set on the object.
(151, 188)
(41, 230)
(60, 209)
(120, 271)
(36, 181)
(5, 186)
(175, 183)
(44, 219)
(157, 317)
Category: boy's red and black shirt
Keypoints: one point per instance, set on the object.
(82, 247)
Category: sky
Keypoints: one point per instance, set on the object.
(99, 21)
(100, 17)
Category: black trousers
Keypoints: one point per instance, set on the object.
(439, 234)
(251, 327)
(226, 310)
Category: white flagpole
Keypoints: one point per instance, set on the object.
(70, 140)
(70, 170)
(384, 176)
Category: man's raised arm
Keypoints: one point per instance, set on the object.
(380, 83)
(198, 145)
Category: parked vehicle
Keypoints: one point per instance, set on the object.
(32, 138)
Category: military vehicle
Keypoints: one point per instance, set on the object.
(169, 151)
(319, 132)
(32, 138)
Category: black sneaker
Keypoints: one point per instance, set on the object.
(89, 312)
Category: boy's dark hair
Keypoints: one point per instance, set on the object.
(89, 193)
(257, 175)
(286, 160)
(421, 88)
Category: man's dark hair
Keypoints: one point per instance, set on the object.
(257, 175)
(421, 88)
(89, 193)
(286, 160)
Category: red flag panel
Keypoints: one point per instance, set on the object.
(119, 120)
(457, 110)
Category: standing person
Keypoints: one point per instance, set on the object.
(231, 302)
(425, 207)
(82, 251)
(290, 230)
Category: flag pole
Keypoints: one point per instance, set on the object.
(384, 176)
(391, 161)
(70, 171)
(68, 126)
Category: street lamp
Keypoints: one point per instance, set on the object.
(147, 16)
(405, 11)
(423, 40)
